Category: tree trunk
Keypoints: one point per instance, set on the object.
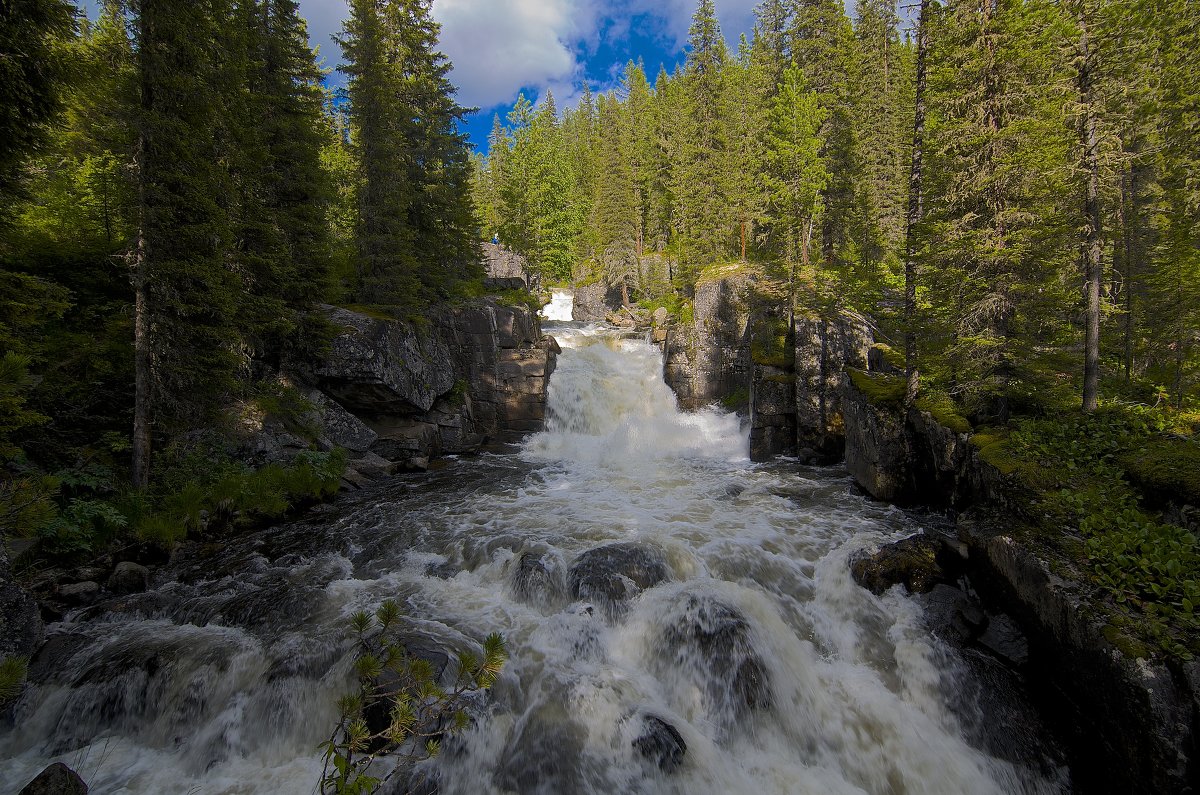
(913, 216)
(1091, 235)
(141, 322)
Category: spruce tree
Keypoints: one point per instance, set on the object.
(186, 296)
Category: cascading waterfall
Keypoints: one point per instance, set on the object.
(678, 620)
(561, 303)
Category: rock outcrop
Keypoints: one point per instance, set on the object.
(506, 270)
(594, 302)
(57, 779)
(397, 394)
(709, 360)
(1131, 723)
(824, 350)
(21, 628)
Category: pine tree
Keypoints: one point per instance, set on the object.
(615, 213)
(32, 73)
(700, 184)
(796, 173)
(185, 295)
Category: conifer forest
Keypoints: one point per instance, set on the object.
(197, 207)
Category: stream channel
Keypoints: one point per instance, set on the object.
(750, 663)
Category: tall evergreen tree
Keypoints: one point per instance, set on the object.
(185, 295)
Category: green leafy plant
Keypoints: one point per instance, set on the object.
(401, 710)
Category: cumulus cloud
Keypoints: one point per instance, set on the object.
(499, 46)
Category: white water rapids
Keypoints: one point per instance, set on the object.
(756, 666)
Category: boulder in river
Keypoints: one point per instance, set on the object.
(129, 577)
(538, 580)
(57, 779)
(713, 642)
(661, 744)
(612, 574)
(919, 562)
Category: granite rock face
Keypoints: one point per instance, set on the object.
(709, 360)
(824, 349)
(593, 303)
(506, 270)
(407, 393)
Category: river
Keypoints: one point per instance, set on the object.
(755, 666)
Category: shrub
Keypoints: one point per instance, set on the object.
(419, 710)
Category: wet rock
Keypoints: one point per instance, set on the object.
(713, 641)
(80, 592)
(951, 613)
(661, 744)
(57, 779)
(918, 562)
(615, 573)
(442, 571)
(544, 753)
(129, 577)
(21, 628)
(1004, 639)
(538, 580)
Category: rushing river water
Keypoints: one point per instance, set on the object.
(755, 666)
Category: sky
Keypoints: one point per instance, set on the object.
(500, 48)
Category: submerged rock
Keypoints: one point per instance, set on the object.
(544, 753)
(57, 779)
(918, 562)
(538, 580)
(713, 642)
(661, 744)
(611, 575)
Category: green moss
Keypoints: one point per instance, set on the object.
(1168, 468)
(890, 355)
(738, 399)
(944, 412)
(727, 270)
(996, 453)
(880, 390)
(376, 311)
(1127, 645)
(457, 395)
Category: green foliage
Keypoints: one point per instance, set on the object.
(421, 708)
(1077, 466)
(12, 678)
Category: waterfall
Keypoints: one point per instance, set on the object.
(678, 619)
(559, 308)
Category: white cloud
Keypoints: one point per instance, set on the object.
(500, 46)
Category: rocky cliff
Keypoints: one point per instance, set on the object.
(397, 393)
(1131, 723)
